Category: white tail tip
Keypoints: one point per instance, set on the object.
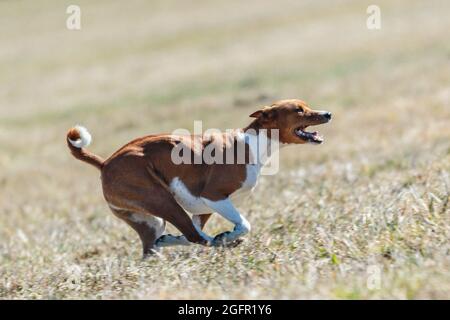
(84, 140)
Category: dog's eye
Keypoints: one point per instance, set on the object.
(300, 110)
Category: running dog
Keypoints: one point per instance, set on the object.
(145, 187)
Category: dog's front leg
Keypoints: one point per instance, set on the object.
(227, 210)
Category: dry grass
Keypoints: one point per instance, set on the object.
(373, 197)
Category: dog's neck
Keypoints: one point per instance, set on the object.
(261, 141)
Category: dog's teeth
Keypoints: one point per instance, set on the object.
(311, 136)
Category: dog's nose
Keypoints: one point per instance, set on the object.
(327, 115)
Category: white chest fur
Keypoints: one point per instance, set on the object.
(252, 174)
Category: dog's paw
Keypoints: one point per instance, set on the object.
(152, 254)
(235, 243)
(222, 240)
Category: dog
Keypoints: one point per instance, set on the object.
(144, 187)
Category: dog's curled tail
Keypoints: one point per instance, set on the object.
(78, 138)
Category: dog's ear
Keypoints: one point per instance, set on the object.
(264, 113)
(256, 114)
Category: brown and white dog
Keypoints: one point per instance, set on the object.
(144, 187)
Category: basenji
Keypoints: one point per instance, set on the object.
(145, 187)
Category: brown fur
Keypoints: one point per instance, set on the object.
(136, 177)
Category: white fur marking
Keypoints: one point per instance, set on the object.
(251, 179)
(196, 221)
(227, 210)
(85, 138)
(155, 223)
(252, 171)
(113, 207)
(186, 199)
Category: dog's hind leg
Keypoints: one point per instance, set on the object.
(149, 197)
(148, 227)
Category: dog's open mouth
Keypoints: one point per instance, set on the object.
(312, 137)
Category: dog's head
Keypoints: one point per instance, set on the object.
(291, 117)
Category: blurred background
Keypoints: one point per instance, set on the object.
(375, 194)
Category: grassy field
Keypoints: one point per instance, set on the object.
(365, 215)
